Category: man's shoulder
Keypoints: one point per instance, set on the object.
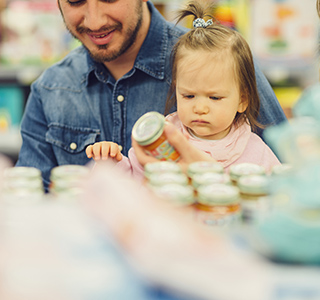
(71, 68)
(175, 31)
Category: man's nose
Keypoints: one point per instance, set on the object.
(95, 17)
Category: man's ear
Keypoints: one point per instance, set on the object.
(243, 103)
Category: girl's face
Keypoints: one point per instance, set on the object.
(106, 28)
(207, 93)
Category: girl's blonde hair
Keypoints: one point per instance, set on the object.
(217, 37)
(318, 7)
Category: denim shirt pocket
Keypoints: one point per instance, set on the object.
(71, 139)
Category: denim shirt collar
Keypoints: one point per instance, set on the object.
(151, 57)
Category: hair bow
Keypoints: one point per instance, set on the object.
(197, 23)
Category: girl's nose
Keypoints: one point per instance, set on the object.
(200, 107)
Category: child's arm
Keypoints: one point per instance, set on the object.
(103, 150)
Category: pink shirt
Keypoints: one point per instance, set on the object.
(239, 146)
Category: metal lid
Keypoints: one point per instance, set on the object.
(238, 170)
(148, 128)
(283, 169)
(175, 193)
(204, 167)
(253, 184)
(209, 178)
(68, 171)
(22, 172)
(161, 167)
(159, 179)
(218, 194)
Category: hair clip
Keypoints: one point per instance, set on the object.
(201, 23)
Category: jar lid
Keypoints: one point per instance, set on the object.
(68, 171)
(161, 167)
(148, 128)
(282, 169)
(209, 178)
(218, 194)
(22, 172)
(253, 184)
(204, 167)
(238, 170)
(175, 193)
(159, 179)
(23, 183)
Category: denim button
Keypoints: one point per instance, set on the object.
(120, 98)
(73, 146)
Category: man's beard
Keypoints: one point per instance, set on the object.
(131, 36)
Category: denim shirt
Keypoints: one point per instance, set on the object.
(77, 102)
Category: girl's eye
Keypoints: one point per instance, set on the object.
(188, 96)
(216, 98)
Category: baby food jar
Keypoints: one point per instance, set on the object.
(176, 194)
(201, 167)
(255, 202)
(65, 181)
(218, 205)
(209, 178)
(244, 169)
(282, 170)
(22, 185)
(148, 133)
(160, 167)
(160, 179)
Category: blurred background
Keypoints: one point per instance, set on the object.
(283, 35)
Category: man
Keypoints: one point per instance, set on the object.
(100, 89)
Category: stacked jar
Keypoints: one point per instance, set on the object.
(244, 169)
(218, 205)
(22, 185)
(255, 200)
(217, 202)
(166, 179)
(66, 181)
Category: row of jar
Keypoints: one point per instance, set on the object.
(215, 197)
(25, 185)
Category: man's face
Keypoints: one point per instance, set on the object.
(106, 28)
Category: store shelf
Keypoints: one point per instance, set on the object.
(10, 142)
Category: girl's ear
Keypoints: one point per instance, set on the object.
(243, 103)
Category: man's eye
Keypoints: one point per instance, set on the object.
(78, 2)
(74, 3)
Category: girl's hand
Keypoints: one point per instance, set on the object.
(104, 150)
(188, 153)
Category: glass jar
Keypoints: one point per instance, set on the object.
(218, 205)
(255, 202)
(243, 169)
(160, 179)
(22, 185)
(209, 178)
(176, 194)
(161, 167)
(65, 181)
(201, 167)
(148, 133)
(283, 169)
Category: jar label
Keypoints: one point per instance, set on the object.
(164, 152)
(219, 220)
